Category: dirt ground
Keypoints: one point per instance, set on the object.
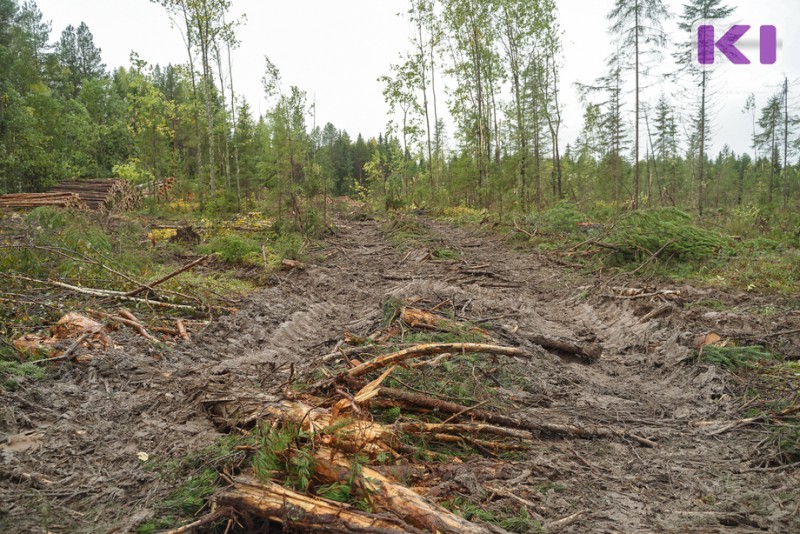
(70, 444)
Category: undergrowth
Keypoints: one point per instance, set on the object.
(510, 518)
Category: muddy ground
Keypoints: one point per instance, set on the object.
(73, 465)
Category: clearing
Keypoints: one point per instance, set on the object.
(73, 443)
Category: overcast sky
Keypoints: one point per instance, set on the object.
(336, 49)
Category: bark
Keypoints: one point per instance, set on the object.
(387, 495)
(297, 511)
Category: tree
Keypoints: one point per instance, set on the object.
(77, 52)
(770, 122)
(203, 25)
(695, 11)
(666, 144)
(638, 23)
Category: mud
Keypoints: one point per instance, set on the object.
(70, 445)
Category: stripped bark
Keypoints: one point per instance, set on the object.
(297, 511)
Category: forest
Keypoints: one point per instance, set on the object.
(221, 315)
(494, 67)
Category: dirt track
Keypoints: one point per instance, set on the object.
(80, 470)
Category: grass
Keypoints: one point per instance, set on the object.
(234, 249)
(196, 478)
(11, 371)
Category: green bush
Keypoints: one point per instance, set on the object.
(289, 247)
(735, 357)
(233, 249)
(669, 230)
(563, 217)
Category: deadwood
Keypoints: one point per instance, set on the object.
(430, 349)
(297, 511)
(557, 429)
(387, 495)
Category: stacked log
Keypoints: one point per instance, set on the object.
(36, 200)
(102, 195)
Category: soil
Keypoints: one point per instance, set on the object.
(70, 445)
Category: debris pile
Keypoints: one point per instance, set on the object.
(425, 389)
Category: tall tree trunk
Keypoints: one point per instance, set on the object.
(636, 177)
(235, 132)
(785, 178)
(701, 179)
(424, 85)
(226, 132)
(195, 113)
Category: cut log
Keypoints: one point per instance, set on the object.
(102, 195)
(389, 496)
(296, 511)
(37, 200)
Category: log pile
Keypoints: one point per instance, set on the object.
(326, 450)
(68, 200)
(102, 195)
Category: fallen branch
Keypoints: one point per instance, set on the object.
(184, 334)
(428, 350)
(505, 421)
(205, 520)
(591, 351)
(139, 327)
(568, 521)
(67, 355)
(118, 295)
(149, 287)
(390, 496)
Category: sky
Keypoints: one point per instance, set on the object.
(335, 50)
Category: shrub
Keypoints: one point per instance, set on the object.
(563, 217)
(669, 230)
(233, 249)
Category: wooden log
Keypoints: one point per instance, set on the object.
(389, 496)
(296, 511)
(590, 351)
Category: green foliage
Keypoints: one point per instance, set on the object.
(234, 249)
(641, 234)
(283, 453)
(563, 217)
(156, 525)
(288, 246)
(735, 357)
(190, 497)
(446, 254)
(11, 370)
(512, 520)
